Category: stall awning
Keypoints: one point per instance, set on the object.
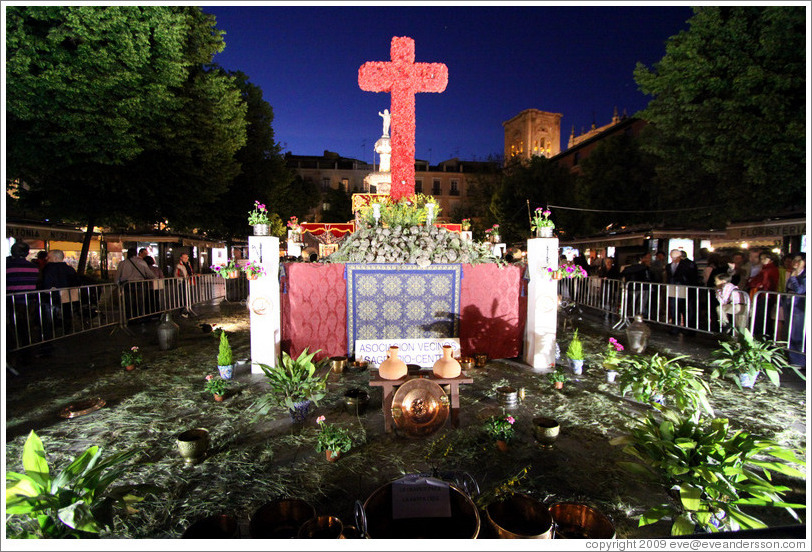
(42, 232)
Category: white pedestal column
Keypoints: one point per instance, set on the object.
(263, 303)
(542, 304)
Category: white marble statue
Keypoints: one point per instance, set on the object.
(386, 121)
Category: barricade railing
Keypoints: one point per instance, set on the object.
(780, 317)
(690, 308)
(595, 293)
(42, 316)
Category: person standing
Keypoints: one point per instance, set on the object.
(680, 272)
(764, 309)
(21, 276)
(130, 272)
(58, 305)
(184, 270)
(795, 311)
(750, 269)
(640, 273)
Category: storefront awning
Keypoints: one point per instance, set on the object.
(775, 229)
(39, 232)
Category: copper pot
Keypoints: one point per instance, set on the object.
(338, 363)
(213, 527)
(520, 516)
(322, 527)
(280, 519)
(579, 521)
(481, 359)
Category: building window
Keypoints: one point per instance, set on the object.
(455, 188)
(576, 158)
(435, 188)
(325, 184)
(345, 184)
(418, 186)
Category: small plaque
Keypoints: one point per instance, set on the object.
(414, 496)
(423, 352)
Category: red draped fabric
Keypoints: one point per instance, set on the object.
(314, 310)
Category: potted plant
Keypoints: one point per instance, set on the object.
(293, 384)
(131, 358)
(216, 386)
(610, 357)
(259, 219)
(500, 429)
(495, 237)
(466, 224)
(566, 271)
(745, 358)
(227, 271)
(710, 472)
(557, 378)
(77, 501)
(225, 360)
(295, 228)
(657, 379)
(253, 271)
(541, 224)
(332, 440)
(575, 352)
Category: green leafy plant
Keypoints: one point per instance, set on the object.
(541, 219)
(610, 358)
(78, 501)
(709, 471)
(682, 386)
(500, 428)
(747, 355)
(557, 375)
(216, 385)
(226, 270)
(292, 381)
(224, 356)
(406, 212)
(332, 437)
(259, 215)
(131, 356)
(575, 350)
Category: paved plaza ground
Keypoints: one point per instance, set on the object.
(253, 461)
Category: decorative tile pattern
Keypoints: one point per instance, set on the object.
(392, 301)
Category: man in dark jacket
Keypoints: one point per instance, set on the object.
(682, 272)
(639, 292)
(57, 306)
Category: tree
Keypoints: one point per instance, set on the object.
(340, 205)
(112, 111)
(728, 113)
(526, 186)
(616, 175)
(263, 175)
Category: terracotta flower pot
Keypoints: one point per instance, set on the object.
(559, 385)
(332, 456)
(130, 367)
(502, 446)
(217, 398)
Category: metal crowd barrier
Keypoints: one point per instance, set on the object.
(779, 317)
(42, 316)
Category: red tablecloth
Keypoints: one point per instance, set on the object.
(314, 309)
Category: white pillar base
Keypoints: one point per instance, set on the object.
(542, 304)
(263, 303)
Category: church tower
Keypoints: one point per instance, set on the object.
(532, 132)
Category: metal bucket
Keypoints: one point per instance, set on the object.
(520, 517)
(322, 527)
(280, 519)
(546, 430)
(213, 527)
(508, 397)
(338, 363)
(579, 521)
(377, 511)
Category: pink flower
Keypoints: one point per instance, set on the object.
(208, 378)
(261, 206)
(134, 349)
(511, 420)
(618, 347)
(547, 213)
(612, 340)
(320, 420)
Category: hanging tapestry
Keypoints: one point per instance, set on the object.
(391, 301)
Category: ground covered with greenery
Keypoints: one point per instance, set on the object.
(253, 461)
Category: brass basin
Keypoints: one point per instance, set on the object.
(420, 407)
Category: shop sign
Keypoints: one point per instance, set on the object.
(33, 233)
(766, 231)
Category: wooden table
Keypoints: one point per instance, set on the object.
(389, 392)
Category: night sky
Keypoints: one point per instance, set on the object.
(577, 61)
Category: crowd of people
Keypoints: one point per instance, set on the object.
(58, 301)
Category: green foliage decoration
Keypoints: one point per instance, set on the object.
(76, 502)
(683, 386)
(332, 437)
(224, 356)
(292, 381)
(711, 472)
(575, 350)
(747, 355)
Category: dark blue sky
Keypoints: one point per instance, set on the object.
(501, 60)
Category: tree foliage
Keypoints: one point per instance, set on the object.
(616, 175)
(113, 111)
(524, 186)
(728, 113)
